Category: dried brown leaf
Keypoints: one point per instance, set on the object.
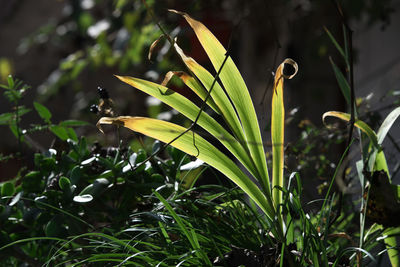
(154, 45)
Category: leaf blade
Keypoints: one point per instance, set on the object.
(343, 84)
(375, 163)
(166, 132)
(188, 109)
(387, 124)
(358, 123)
(217, 94)
(194, 85)
(278, 131)
(238, 93)
(43, 112)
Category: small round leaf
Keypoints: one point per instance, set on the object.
(83, 198)
(7, 189)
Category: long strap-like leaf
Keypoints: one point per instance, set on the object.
(190, 110)
(166, 132)
(377, 158)
(278, 130)
(237, 90)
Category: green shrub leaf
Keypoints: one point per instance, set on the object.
(83, 198)
(64, 183)
(7, 189)
(43, 112)
(60, 132)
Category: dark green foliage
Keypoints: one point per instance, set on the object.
(79, 190)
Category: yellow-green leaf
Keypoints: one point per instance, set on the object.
(166, 132)
(190, 110)
(237, 91)
(278, 130)
(193, 84)
(376, 163)
(217, 94)
(358, 123)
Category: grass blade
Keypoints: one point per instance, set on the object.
(343, 84)
(191, 236)
(336, 44)
(387, 124)
(376, 163)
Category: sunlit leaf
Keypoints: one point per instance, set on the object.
(190, 110)
(376, 163)
(83, 198)
(193, 84)
(166, 132)
(358, 123)
(278, 129)
(238, 94)
(15, 199)
(377, 159)
(218, 95)
(154, 45)
(387, 124)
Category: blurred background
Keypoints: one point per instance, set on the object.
(65, 49)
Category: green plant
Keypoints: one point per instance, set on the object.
(78, 190)
(373, 158)
(245, 138)
(225, 93)
(14, 93)
(373, 163)
(89, 205)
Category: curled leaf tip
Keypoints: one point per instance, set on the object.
(293, 64)
(169, 76)
(98, 125)
(109, 120)
(177, 12)
(154, 45)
